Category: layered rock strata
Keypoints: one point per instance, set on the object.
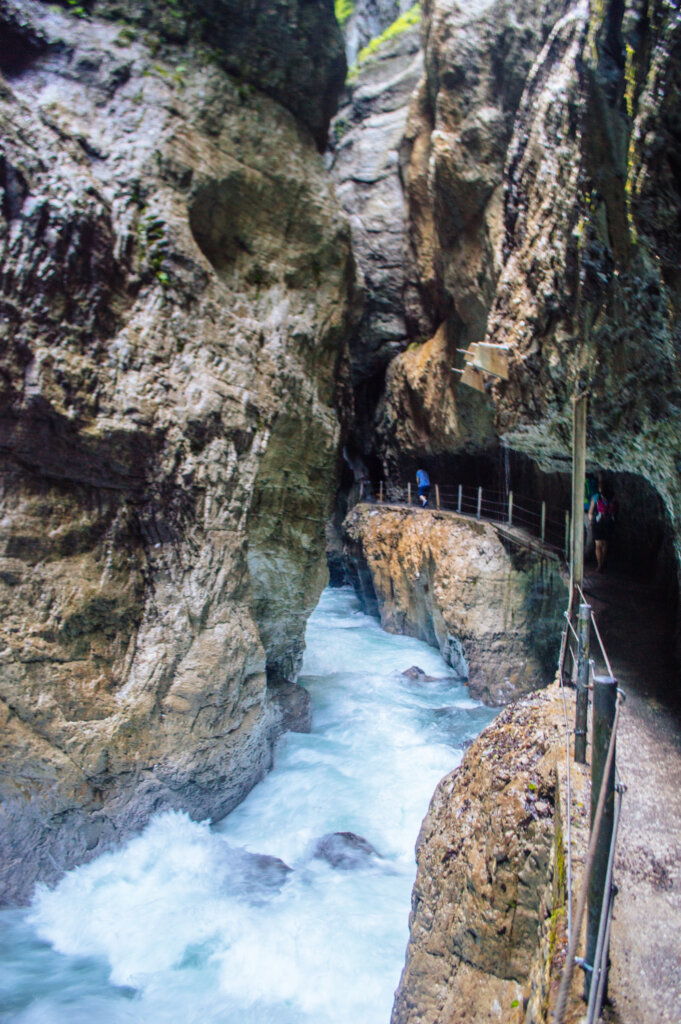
(175, 285)
(488, 920)
(492, 606)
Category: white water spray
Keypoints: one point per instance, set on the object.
(185, 924)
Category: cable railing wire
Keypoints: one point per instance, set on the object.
(535, 517)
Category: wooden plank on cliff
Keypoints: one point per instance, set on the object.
(491, 358)
(474, 378)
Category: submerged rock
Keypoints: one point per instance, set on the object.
(418, 675)
(345, 850)
(253, 875)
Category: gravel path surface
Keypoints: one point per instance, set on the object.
(645, 976)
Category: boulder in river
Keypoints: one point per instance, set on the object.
(418, 675)
(253, 875)
(345, 850)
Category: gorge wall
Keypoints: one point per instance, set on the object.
(176, 288)
(543, 195)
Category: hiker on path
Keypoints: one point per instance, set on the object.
(423, 483)
(602, 513)
(590, 489)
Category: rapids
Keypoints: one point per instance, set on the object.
(182, 925)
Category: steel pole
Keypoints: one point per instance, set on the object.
(578, 472)
(582, 702)
(604, 708)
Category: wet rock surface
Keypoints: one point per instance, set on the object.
(494, 610)
(364, 162)
(488, 890)
(345, 850)
(168, 435)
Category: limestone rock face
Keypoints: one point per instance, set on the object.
(364, 140)
(593, 304)
(367, 20)
(492, 608)
(490, 885)
(542, 189)
(292, 51)
(174, 292)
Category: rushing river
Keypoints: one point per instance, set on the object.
(181, 925)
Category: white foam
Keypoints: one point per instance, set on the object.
(201, 934)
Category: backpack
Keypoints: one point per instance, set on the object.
(604, 509)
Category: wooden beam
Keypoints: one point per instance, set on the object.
(474, 378)
(492, 358)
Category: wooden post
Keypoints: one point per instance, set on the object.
(510, 508)
(604, 709)
(579, 406)
(582, 702)
(543, 520)
(458, 506)
(437, 496)
(479, 502)
(409, 494)
(380, 491)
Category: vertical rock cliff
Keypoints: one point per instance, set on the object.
(175, 285)
(493, 606)
(542, 188)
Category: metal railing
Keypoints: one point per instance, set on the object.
(597, 889)
(550, 524)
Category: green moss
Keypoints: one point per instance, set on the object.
(343, 9)
(407, 20)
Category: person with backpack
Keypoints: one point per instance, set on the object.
(602, 513)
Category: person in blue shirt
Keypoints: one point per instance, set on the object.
(423, 483)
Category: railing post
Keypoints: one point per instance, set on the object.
(479, 502)
(437, 496)
(582, 702)
(543, 521)
(380, 491)
(604, 708)
(579, 409)
(458, 505)
(409, 494)
(567, 536)
(510, 508)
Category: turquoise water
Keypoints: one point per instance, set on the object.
(181, 925)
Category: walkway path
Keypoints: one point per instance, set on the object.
(645, 978)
